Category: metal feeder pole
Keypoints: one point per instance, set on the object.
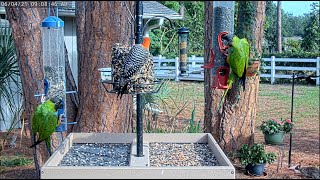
(138, 40)
(290, 142)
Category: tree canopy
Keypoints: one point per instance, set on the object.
(165, 39)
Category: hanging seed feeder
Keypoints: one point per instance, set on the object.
(54, 63)
(183, 44)
(223, 23)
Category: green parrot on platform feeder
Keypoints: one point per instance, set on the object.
(45, 120)
(238, 60)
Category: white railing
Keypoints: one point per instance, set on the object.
(169, 68)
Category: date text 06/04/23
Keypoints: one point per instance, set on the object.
(32, 4)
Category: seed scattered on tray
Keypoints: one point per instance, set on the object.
(97, 154)
(179, 154)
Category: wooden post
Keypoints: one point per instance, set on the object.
(318, 72)
(273, 64)
(176, 64)
(160, 57)
(193, 58)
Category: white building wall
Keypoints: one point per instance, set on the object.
(70, 39)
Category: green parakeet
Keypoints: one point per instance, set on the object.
(45, 120)
(238, 60)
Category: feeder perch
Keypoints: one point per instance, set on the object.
(221, 78)
(54, 63)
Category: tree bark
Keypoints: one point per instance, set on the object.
(26, 29)
(234, 125)
(279, 27)
(208, 108)
(99, 26)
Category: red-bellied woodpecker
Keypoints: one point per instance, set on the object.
(136, 58)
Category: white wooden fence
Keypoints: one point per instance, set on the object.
(273, 68)
(169, 68)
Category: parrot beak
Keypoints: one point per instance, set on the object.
(58, 103)
(228, 38)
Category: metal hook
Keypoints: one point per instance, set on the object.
(144, 27)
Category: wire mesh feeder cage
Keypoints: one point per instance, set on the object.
(141, 82)
(54, 63)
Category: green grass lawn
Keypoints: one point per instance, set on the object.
(274, 101)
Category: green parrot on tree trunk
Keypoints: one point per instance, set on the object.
(238, 60)
(45, 120)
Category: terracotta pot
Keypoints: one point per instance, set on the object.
(253, 68)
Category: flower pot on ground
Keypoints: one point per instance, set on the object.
(254, 158)
(274, 130)
(256, 169)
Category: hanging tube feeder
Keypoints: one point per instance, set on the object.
(54, 64)
(223, 24)
(183, 47)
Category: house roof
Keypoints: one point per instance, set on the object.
(150, 9)
(153, 8)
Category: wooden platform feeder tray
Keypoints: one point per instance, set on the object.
(139, 167)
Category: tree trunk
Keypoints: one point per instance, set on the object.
(100, 24)
(235, 124)
(209, 121)
(26, 26)
(26, 29)
(279, 27)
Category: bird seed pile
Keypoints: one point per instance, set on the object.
(144, 76)
(97, 154)
(55, 77)
(179, 154)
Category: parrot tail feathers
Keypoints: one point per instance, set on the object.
(243, 78)
(230, 81)
(222, 99)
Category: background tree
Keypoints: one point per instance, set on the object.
(279, 29)
(100, 24)
(291, 25)
(311, 37)
(165, 39)
(235, 125)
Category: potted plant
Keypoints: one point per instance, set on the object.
(254, 158)
(274, 130)
(253, 69)
(254, 64)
